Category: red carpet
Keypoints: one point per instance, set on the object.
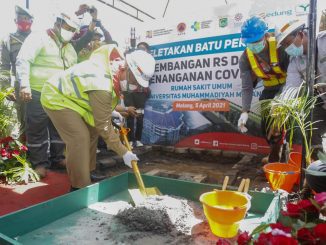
(13, 198)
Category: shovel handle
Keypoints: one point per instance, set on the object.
(139, 179)
(124, 132)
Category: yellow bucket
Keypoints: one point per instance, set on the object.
(224, 210)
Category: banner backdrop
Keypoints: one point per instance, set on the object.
(195, 96)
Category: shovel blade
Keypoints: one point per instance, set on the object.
(137, 197)
(153, 191)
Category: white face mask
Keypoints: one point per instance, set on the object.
(66, 35)
(116, 65)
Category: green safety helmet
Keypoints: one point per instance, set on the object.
(23, 11)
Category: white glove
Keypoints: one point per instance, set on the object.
(128, 157)
(242, 122)
(118, 115)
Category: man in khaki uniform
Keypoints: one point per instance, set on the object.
(10, 47)
(80, 101)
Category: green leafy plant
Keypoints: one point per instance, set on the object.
(7, 118)
(290, 110)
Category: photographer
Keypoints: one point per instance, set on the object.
(99, 32)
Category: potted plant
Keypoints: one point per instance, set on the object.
(290, 111)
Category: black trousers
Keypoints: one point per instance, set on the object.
(319, 131)
(42, 135)
(317, 179)
(274, 142)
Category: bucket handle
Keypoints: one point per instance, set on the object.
(283, 172)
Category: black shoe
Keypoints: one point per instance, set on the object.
(95, 176)
(59, 165)
(73, 189)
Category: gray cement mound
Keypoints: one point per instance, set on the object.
(161, 215)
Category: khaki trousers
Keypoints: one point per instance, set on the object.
(81, 144)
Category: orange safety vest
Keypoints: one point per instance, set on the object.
(277, 76)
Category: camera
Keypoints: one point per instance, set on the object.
(91, 10)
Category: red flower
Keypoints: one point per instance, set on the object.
(293, 210)
(23, 148)
(3, 152)
(304, 236)
(320, 232)
(283, 240)
(269, 239)
(244, 238)
(9, 155)
(222, 242)
(306, 205)
(281, 227)
(320, 198)
(264, 238)
(16, 152)
(6, 140)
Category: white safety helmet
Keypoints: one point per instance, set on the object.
(98, 32)
(142, 65)
(287, 29)
(68, 20)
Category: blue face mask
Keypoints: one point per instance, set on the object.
(293, 50)
(256, 47)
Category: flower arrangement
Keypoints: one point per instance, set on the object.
(14, 167)
(303, 222)
(13, 164)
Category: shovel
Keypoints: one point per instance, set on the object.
(137, 195)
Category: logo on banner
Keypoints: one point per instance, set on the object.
(195, 26)
(238, 17)
(277, 13)
(223, 22)
(302, 9)
(149, 34)
(206, 24)
(181, 27)
(237, 20)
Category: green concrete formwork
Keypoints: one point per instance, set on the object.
(264, 206)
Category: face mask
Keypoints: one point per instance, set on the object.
(256, 47)
(116, 64)
(293, 50)
(66, 35)
(24, 25)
